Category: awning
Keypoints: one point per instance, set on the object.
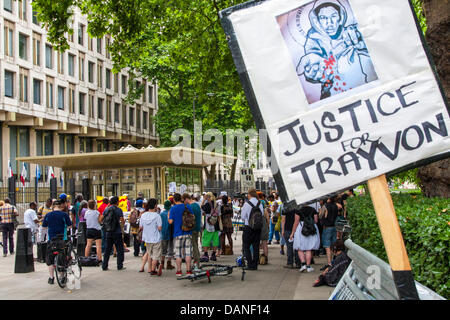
(139, 158)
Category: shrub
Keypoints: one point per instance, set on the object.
(425, 226)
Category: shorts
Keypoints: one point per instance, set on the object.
(93, 234)
(154, 250)
(208, 237)
(167, 249)
(328, 236)
(183, 246)
(54, 246)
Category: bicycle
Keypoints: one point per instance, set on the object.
(67, 262)
(215, 270)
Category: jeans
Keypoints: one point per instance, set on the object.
(114, 239)
(272, 231)
(8, 233)
(103, 240)
(251, 237)
(290, 252)
(136, 245)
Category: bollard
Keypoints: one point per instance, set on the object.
(81, 238)
(24, 251)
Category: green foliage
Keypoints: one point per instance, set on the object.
(418, 8)
(425, 225)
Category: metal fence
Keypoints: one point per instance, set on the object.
(233, 187)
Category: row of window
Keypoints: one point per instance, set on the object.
(22, 9)
(94, 70)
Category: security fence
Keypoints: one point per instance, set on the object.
(233, 187)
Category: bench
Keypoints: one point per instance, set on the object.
(370, 278)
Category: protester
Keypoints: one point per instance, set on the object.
(166, 240)
(287, 225)
(329, 235)
(56, 221)
(151, 225)
(182, 239)
(305, 220)
(42, 211)
(134, 225)
(31, 220)
(110, 218)
(76, 208)
(251, 237)
(8, 214)
(273, 222)
(82, 210)
(332, 274)
(104, 205)
(226, 216)
(93, 230)
(265, 235)
(210, 234)
(197, 229)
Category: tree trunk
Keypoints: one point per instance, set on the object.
(233, 170)
(435, 178)
(211, 173)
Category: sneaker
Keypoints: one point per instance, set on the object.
(51, 280)
(204, 258)
(303, 268)
(309, 269)
(188, 272)
(123, 268)
(282, 252)
(179, 273)
(213, 257)
(153, 273)
(4, 255)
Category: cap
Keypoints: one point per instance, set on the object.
(62, 197)
(139, 203)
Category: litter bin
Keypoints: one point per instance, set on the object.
(24, 251)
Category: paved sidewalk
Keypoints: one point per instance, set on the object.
(270, 282)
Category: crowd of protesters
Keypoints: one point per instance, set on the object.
(160, 237)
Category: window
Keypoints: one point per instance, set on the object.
(91, 72)
(108, 109)
(48, 56)
(124, 84)
(35, 20)
(9, 84)
(131, 117)
(108, 43)
(86, 145)
(66, 144)
(37, 85)
(138, 117)
(99, 45)
(70, 35)
(71, 64)
(150, 94)
(80, 34)
(49, 93)
(44, 143)
(61, 97)
(23, 44)
(116, 83)
(100, 74)
(7, 5)
(9, 38)
(91, 104)
(81, 67)
(23, 85)
(89, 42)
(116, 112)
(19, 146)
(144, 93)
(61, 62)
(82, 102)
(144, 120)
(108, 78)
(37, 49)
(22, 9)
(100, 108)
(72, 98)
(124, 116)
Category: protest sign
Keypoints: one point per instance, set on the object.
(344, 89)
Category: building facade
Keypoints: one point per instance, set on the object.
(59, 103)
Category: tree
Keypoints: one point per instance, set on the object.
(435, 178)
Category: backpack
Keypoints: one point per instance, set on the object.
(213, 217)
(308, 229)
(133, 219)
(110, 219)
(255, 221)
(188, 220)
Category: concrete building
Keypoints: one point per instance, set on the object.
(59, 103)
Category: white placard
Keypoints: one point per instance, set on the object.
(344, 88)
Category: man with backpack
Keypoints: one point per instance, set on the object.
(183, 220)
(252, 215)
(112, 219)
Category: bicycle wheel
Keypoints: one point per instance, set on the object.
(74, 266)
(61, 269)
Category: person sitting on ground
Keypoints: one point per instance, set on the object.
(93, 230)
(331, 275)
(151, 224)
(56, 221)
(182, 239)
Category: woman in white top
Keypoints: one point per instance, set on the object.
(93, 230)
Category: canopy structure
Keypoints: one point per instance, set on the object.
(131, 158)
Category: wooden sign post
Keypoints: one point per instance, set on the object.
(392, 238)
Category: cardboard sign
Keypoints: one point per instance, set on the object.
(343, 87)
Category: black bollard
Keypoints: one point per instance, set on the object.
(24, 251)
(81, 238)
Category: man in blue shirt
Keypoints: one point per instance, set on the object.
(56, 221)
(182, 239)
(197, 229)
(166, 240)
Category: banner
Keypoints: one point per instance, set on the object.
(343, 87)
(123, 200)
(99, 201)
